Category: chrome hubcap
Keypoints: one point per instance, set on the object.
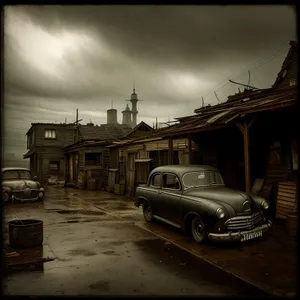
(199, 229)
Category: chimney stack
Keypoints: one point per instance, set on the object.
(112, 116)
(127, 116)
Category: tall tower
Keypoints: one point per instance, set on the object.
(126, 116)
(134, 100)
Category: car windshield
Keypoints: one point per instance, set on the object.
(205, 178)
(10, 174)
(25, 175)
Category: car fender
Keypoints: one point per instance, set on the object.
(140, 200)
(257, 200)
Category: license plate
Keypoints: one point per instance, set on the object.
(251, 235)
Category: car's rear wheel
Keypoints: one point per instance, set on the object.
(198, 230)
(147, 211)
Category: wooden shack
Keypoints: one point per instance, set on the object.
(87, 164)
(134, 159)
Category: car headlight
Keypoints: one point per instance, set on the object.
(265, 204)
(41, 189)
(220, 213)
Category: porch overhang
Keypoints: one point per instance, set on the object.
(28, 154)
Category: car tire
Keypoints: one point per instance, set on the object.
(147, 211)
(198, 230)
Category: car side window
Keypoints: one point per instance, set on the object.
(171, 181)
(155, 180)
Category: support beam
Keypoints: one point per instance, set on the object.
(190, 160)
(245, 129)
(170, 154)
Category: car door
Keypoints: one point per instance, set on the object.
(169, 198)
(154, 190)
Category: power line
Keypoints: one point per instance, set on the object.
(250, 67)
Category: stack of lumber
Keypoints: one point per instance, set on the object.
(287, 199)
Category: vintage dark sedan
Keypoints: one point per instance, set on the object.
(195, 199)
(18, 186)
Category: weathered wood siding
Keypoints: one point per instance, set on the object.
(114, 158)
(64, 135)
(42, 161)
(290, 79)
(132, 172)
(100, 173)
(164, 145)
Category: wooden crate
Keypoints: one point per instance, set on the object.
(287, 199)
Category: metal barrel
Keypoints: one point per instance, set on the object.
(26, 233)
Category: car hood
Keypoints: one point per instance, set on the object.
(223, 195)
(20, 184)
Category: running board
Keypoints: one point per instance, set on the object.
(166, 221)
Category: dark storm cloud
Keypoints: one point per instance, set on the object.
(178, 34)
(59, 58)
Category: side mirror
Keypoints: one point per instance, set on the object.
(35, 178)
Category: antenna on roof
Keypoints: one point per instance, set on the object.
(249, 77)
(217, 97)
(133, 85)
(249, 86)
(202, 102)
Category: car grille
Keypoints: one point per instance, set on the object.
(21, 195)
(243, 222)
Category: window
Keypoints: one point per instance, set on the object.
(155, 180)
(10, 175)
(50, 134)
(25, 175)
(205, 178)
(54, 166)
(93, 159)
(170, 181)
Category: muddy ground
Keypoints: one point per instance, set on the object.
(99, 247)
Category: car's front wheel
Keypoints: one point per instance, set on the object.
(198, 230)
(147, 211)
(6, 197)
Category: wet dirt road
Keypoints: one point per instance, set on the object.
(98, 253)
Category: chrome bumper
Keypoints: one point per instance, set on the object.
(236, 236)
(14, 199)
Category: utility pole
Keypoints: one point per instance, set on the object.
(76, 124)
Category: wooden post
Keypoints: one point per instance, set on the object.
(170, 156)
(245, 128)
(71, 166)
(190, 159)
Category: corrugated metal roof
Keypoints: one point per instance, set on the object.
(222, 114)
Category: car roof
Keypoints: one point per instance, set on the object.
(15, 169)
(182, 169)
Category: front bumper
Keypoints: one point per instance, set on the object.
(20, 200)
(237, 236)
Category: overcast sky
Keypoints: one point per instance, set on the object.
(59, 58)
